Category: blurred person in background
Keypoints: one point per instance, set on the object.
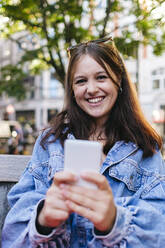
(15, 141)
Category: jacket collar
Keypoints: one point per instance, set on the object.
(118, 152)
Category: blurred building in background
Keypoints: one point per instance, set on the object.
(151, 85)
(152, 88)
(44, 97)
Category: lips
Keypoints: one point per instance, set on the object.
(95, 99)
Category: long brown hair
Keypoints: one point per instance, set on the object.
(126, 120)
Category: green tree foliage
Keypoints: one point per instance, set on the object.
(43, 29)
(12, 81)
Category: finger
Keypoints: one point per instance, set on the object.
(102, 201)
(97, 179)
(55, 198)
(56, 204)
(54, 192)
(94, 194)
(79, 199)
(64, 177)
(81, 210)
(99, 219)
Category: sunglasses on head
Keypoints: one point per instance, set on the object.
(98, 41)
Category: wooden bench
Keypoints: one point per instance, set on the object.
(11, 167)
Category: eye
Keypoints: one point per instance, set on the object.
(80, 81)
(102, 77)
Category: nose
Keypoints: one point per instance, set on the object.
(92, 87)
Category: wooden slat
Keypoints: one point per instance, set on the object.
(12, 166)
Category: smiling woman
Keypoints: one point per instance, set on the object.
(94, 91)
(50, 209)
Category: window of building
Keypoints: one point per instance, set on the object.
(156, 84)
(55, 89)
(30, 87)
(158, 78)
(154, 72)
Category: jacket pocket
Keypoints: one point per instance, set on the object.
(155, 189)
(39, 171)
(56, 163)
(129, 173)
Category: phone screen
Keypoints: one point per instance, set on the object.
(82, 155)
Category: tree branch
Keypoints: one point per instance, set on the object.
(57, 68)
(108, 9)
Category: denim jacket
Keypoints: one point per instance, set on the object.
(138, 187)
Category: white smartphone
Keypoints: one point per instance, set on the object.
(82, 155)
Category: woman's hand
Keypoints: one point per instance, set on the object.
(55, 210)
(95, 204)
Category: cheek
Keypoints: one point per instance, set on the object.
(112, 90)
(78, 93)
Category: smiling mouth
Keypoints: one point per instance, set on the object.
(95, 100)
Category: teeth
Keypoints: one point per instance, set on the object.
(95, 100)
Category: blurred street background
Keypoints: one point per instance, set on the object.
(34, 36)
